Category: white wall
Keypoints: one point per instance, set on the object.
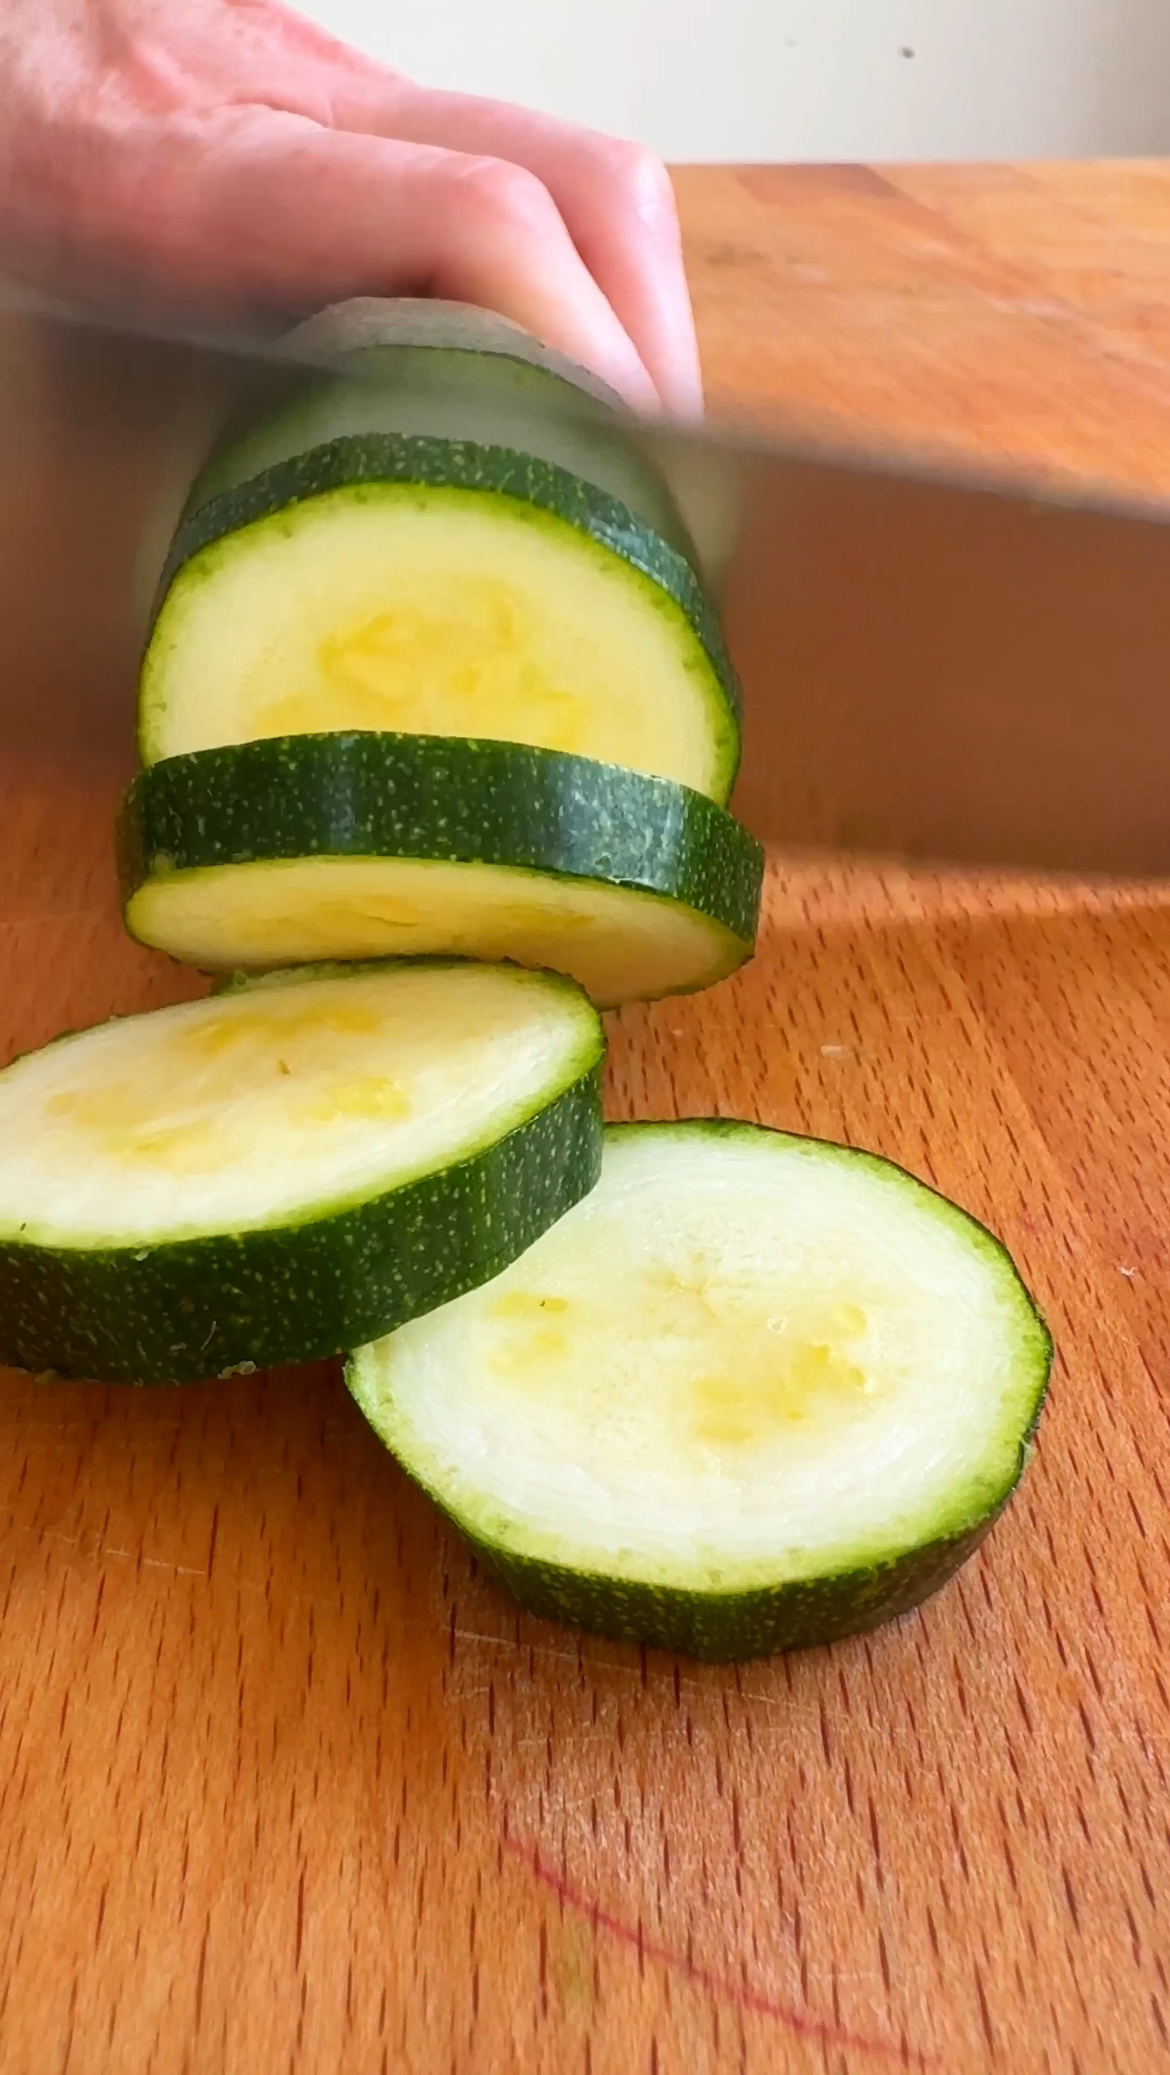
(791, 79)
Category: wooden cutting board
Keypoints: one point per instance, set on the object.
(286, 1785)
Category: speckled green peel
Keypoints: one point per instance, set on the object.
(532, 811)
(731, 1627)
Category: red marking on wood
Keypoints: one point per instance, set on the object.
(739, 1993)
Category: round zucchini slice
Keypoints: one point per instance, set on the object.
(756, 1392)
(442, 540)
(367, 845)
(416, 585)
(252, 1179)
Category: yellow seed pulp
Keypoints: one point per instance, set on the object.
(453, 655)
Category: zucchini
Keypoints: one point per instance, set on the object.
(756, 1392)
(364, 845)
(462, 371)
(446, 370)
(444, 589)
(373, 558)
(258, 1177)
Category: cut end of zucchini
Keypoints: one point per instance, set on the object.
(372, 324)
(756, 1392)
(456, 374)
(494, 373)
(437, 609)
(229, 1180)
(364, 846)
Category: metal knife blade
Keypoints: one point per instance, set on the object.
(937, 664)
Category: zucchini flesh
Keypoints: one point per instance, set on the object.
(441, 607)
(231, 1182)
(755, 1392)
(367, 845)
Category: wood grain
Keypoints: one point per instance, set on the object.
(286, 1785)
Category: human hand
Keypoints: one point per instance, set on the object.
(230, 154)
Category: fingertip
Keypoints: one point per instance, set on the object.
(682, 394)
(632, 382)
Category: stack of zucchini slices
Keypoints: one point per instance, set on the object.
(437, 734)
(413, 693)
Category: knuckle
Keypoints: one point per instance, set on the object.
(640, 176)
(506, 190)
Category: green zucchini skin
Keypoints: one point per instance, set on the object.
(731, 1627)
(187, 1310)
(434, 796)
(388, 457)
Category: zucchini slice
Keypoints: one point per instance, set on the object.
(367, 845)
(376, 556)
(756, 1392)
(423, 586)
(251, 1179)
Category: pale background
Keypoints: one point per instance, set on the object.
(816, 79)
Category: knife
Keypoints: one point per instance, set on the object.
(938, 663)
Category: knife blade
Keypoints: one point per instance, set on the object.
(938, 663)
